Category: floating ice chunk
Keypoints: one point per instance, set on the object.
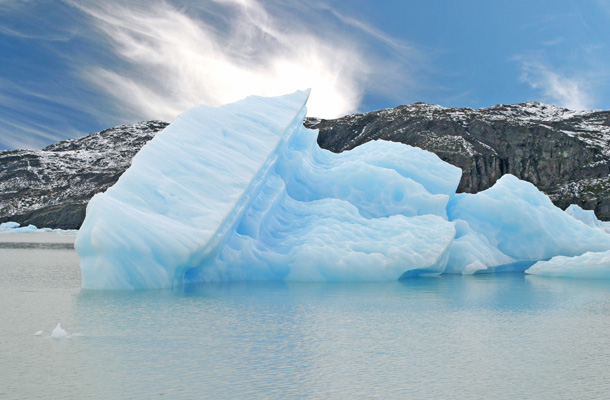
(243, 191)
(38, 333)
(523, 223)
(13, 227)
(588, 265)
(8, 226)
(58, 332)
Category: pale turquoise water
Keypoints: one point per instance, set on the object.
(504, 336)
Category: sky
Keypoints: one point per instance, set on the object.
(68, 67)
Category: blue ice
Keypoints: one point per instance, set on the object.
(243, 192)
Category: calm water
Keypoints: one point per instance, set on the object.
(503, 336)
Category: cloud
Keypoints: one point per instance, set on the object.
(33, 117)
(77, 66)
(571, 92)
(60, 37)
(36, 20)
(172, 57)
(398, 45)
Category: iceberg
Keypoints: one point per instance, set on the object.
(243, 192)
(591, 265)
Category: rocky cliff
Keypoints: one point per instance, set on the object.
(565, 153)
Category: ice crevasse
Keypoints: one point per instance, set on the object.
(243, 192)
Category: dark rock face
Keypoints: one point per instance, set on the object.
(566, 154)
(51, 187)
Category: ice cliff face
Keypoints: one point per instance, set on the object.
(243, 192)
(564, 153)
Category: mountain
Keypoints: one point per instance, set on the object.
(564, 153)
(51, 187)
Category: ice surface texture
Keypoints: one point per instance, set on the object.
(243, 192)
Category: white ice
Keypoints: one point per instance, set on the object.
(588, 265)
(14, 227)
(243, 192)
(58, 332)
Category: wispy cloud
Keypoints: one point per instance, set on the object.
(85, 64)
(58, 37)
(39, 20)
(553, 42)
(399, 46)
(171, 58)
(30, 135)
(31, 117)
(573, 92)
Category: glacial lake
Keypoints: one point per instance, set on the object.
(501, 336)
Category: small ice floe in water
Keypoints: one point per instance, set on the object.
(38, 333)
(58, 332)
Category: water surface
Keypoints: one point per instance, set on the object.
(487, 336)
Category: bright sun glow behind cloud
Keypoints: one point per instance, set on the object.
(173, 60)
(70, 67)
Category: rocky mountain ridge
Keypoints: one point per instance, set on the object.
(51, 187)
(565, 153)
